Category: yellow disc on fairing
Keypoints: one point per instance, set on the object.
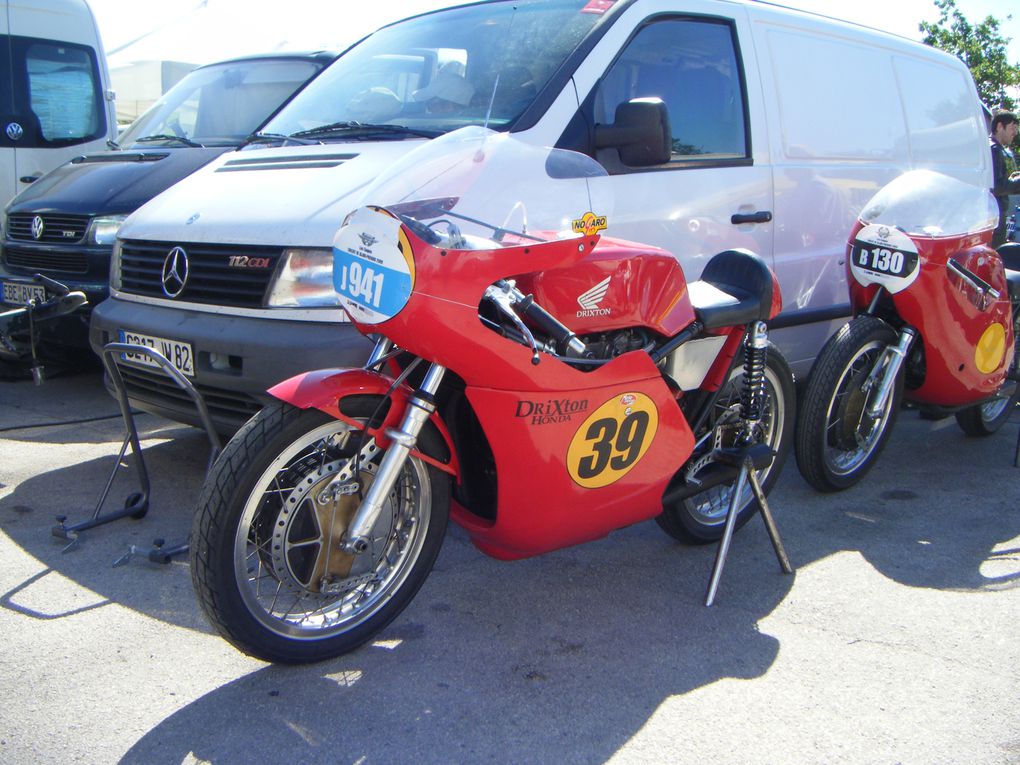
(990, 349)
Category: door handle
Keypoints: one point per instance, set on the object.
(30, 178)
(762, 216)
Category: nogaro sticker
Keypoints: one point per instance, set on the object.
(612, 440)
(373, 268)
(589, 224)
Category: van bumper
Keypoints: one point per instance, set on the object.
(235, 358)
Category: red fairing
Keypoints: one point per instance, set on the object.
(533, 415)
(619, 284)
(324, 389)
(949, 317)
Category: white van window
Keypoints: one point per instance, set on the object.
(62, 87)
(472, 65)
(692, 66)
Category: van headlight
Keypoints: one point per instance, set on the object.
(115, 281)
(305, 280)
(104, 230)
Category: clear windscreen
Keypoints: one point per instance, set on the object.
(477, 188)
(926, 203)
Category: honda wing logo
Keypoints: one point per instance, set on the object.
(592, 299)
(175, 272)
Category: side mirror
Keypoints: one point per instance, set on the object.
(641, 133)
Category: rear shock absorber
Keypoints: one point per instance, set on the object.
(752, 394)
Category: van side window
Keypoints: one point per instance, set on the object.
(692, 65)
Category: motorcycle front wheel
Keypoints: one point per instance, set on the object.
(701, 518)
(265, 558)
(837, 442)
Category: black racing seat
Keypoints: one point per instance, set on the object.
(734, 288)
(1010, 254)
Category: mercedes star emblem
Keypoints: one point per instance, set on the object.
(37, 227)
(175, 272)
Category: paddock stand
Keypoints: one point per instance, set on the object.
(751, 458)
(137, 504)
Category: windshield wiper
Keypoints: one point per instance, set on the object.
(167, 137)
(355, 128)
(271, 137)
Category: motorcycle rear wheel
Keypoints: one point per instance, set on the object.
(700, 519)
(265, 561)
(987, 418)
(837, 444)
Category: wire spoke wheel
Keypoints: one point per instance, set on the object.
(272, 576)
(700, 518)
(838, 440)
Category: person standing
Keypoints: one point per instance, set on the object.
(1004, 129)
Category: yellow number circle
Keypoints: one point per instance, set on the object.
(612, 440)
(990, 349)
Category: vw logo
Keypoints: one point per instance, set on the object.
(14, 131)
(37, 227)
(175, 272)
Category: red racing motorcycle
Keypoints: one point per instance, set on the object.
(539, 383)
(936, 322)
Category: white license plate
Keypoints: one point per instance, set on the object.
(19, 293)
(177, 353)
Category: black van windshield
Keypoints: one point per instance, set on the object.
(475, 65)
(219, 105)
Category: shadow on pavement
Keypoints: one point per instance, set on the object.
(562, 657)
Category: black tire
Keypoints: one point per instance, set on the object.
(836, 443)
(263, 542)
(986, 419)
(700, 519)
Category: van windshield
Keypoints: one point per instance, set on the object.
(481, 64)
(219, 105)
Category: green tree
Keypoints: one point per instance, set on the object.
(981, 47)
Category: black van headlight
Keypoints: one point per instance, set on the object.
(304, 280)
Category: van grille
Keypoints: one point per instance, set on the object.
(67, 229)
(211, 277)
(156, 388)
(47, 262)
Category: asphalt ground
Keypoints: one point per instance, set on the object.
(896, 640)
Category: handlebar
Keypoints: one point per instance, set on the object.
(973, 279)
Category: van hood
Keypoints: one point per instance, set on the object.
(286, 196)
(111, 182)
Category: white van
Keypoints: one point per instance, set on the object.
(782, 125)
(55, 101)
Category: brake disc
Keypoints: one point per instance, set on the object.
(306, 555)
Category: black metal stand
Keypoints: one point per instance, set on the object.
(137, 504)
(750, 459)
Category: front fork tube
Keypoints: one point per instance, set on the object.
(420, 407)
(895, 354)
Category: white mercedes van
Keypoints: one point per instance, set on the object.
(783, 124)
(55, 101)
